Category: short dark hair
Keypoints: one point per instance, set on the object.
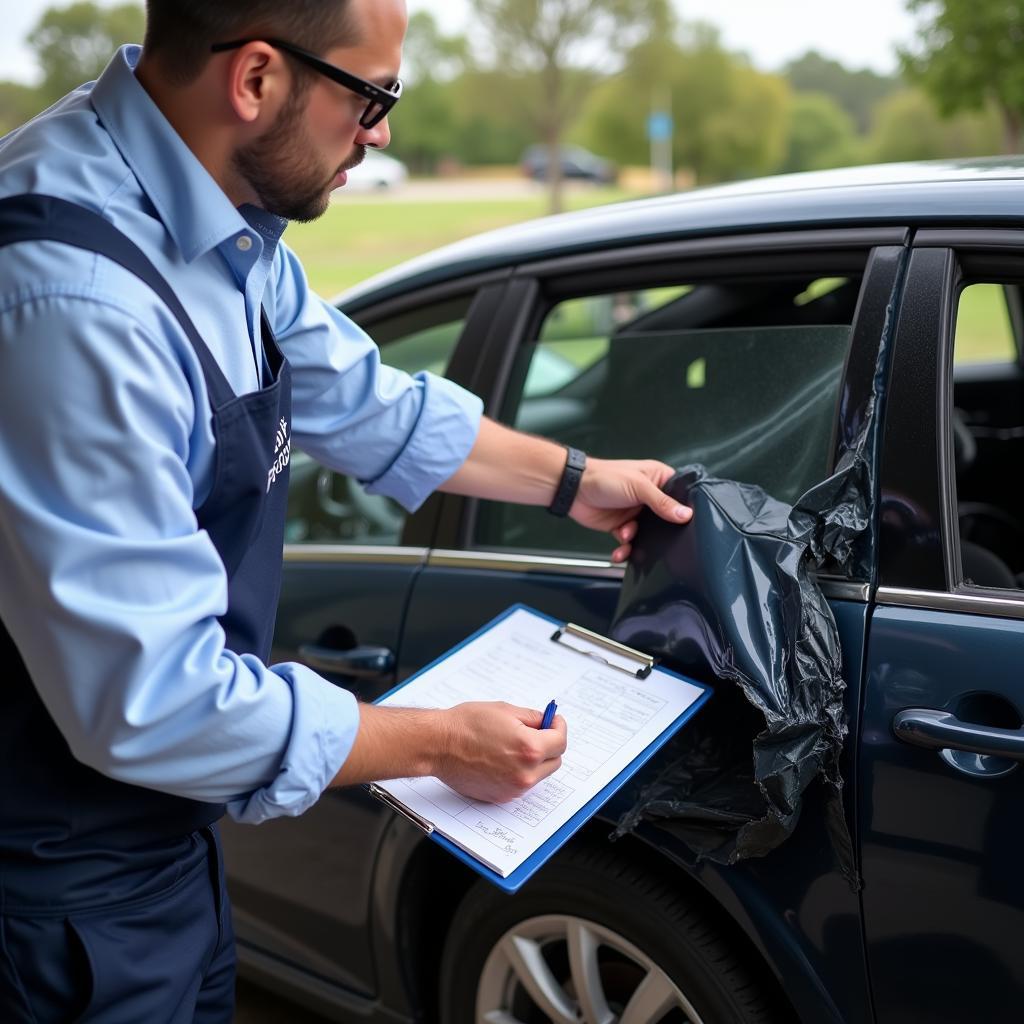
(179, 33)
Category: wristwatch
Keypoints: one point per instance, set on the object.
(575, 463)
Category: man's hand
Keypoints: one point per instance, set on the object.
(505, 465)
(612, 493)
(486, 751)
(497, 751)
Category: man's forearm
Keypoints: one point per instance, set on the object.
(394, 743)
(487, 751)
(506, 465)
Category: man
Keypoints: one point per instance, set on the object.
(146, 421)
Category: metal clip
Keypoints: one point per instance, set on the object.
(396, 805)
(571, 629)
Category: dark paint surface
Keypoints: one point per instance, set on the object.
(943, 889)
(301, 887)
(793, 904)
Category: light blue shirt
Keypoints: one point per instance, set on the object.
(107, 585)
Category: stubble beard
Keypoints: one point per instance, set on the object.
(280, 169)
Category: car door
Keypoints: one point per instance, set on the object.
(753, 355)
(301, 887)
(941, 784)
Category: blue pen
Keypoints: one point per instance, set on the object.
(549, 715)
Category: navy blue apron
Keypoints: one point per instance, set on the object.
(118, 889)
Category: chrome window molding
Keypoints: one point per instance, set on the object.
(513, 561)
(1000, 603)
(503, 561)
(355, 554)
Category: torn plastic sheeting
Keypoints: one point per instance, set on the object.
(731, 599)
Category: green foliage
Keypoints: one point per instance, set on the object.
(856, 92)
(908, 126)
(74, 44)
(820, 133)
(967, 54)
(543, 41)
(18, 103)
(730, 120)
(428, 54)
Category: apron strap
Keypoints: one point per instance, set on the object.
(32, 217)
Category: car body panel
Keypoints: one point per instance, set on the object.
(304, 916)
(940, 899)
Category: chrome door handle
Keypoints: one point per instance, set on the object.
(939, 730)
(357, 662)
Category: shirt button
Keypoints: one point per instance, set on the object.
(244, 243)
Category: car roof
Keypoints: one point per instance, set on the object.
(987, 190)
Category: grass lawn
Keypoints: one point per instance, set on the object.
(355, 240)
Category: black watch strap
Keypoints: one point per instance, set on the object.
(575, 463)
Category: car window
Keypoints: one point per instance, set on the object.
(987, 427)
(742, 376)
(984, 330)
(325, 507)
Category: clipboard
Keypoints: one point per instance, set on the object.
(615, 655)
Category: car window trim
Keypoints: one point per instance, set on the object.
(735, 246)
(356, 554)
(1003, 604)
(509, 561)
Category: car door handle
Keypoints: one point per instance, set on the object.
(358, 662)
(939, 730)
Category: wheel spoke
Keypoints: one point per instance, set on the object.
(654, 997)
(535, 976)
(586, 974)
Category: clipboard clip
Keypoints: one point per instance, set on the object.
(396, 805)
(645, 661)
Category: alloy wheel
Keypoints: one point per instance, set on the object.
(568, 970)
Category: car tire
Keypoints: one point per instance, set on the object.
(595, 938)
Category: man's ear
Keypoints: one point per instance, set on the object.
(258, 80)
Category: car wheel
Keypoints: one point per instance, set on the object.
(595, 939)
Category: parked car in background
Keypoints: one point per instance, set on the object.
(668, 328)
(578, 164)
(377, 172)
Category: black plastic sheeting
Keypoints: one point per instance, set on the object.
(732, 599)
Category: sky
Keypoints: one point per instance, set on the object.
(861, 34)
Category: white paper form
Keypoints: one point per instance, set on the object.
(612, 718)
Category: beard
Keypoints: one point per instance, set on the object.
(279, 167)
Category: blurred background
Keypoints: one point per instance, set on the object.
(517, 108)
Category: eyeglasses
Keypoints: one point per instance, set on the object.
(378, 101)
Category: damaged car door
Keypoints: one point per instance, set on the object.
(942, 784)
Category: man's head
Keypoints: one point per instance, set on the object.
(272, 128)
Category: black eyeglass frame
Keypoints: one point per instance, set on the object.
(381, 101)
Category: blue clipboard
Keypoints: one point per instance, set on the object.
(511, 883)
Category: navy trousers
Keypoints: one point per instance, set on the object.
(168, 958)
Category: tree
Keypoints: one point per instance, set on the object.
(547, 40)
(967, 54)
(73, 44)
(716, 98)
(819, 134)
(424, 123)
(857, 92)
(909, 127)
(17, 104)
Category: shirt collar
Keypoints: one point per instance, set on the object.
(193, 207)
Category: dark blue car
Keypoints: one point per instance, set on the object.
(565, 327)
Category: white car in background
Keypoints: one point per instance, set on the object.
(377, 172)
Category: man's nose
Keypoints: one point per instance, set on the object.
(378, 136)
